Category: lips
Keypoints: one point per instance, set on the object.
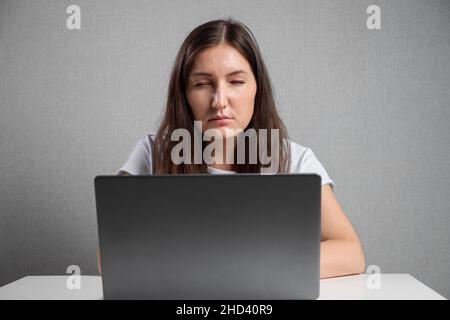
(219, 118)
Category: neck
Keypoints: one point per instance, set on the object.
(221, 157)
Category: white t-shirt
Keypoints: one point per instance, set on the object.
(302, 160)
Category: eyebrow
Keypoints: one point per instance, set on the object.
(200, 73)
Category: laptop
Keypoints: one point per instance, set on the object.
(209, 237)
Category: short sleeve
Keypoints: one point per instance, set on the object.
(310, 164)
(139, 160)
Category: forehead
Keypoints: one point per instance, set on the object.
(220, 59)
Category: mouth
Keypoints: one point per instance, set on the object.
(219, 118)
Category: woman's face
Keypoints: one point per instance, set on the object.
(221, 90)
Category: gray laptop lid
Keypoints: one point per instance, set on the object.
(226, 237)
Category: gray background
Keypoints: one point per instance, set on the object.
(373, 105)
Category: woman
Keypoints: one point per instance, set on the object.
(219, 82)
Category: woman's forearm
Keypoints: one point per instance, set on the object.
(341, 257)
(337, 258)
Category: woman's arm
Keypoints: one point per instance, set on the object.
(99, 267)
(341, 251)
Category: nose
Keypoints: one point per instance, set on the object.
(220, 97)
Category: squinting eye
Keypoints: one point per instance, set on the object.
(237, 82)
(201, 84)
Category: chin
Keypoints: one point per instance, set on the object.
(225, 131)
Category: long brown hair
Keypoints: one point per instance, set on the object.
(178, 113)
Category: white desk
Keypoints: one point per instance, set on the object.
(393, 287)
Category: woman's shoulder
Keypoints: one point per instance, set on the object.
(296, 150)
(147, 142)
(299, 156)
(139, 161)
(304, 160)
